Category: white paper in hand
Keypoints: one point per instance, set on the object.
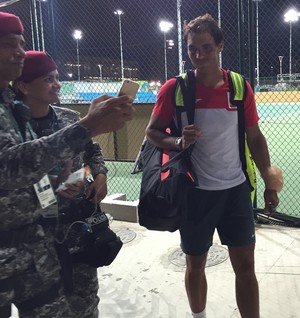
(73, 178)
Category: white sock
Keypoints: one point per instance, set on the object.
(201, 314)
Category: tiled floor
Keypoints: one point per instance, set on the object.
(146, 282)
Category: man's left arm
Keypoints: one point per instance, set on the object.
(260, 153)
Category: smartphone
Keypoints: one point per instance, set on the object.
(130, 88)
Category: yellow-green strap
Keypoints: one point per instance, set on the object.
(238, 83)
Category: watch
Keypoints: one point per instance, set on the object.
(178, 142)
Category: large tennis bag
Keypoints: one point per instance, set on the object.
(167, 181)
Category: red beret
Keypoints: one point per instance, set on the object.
(36, 64)
(10, 23)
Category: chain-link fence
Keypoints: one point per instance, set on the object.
(98, 43)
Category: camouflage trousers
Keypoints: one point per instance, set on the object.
(83, 300)
(80, 281)
(30, 277)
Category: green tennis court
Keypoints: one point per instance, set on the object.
(120, 179)
(280, 123)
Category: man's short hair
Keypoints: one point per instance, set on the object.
(203, 24)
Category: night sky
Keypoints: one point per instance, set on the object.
(142, 39)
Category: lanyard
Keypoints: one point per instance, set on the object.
(31, 132)
(13, 121)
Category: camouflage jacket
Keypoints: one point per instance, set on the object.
(24, 161)
(60, 117)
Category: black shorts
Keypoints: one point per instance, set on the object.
(229, 211)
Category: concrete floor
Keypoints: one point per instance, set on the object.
(146, 280)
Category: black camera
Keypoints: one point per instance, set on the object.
(90, 238)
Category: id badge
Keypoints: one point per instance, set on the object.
(46, 196)
(50, 211)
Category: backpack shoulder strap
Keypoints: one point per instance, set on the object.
(190, 95)
(237, 87)
(184, 97)
(237, 95)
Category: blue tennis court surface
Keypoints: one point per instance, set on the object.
(142, 97)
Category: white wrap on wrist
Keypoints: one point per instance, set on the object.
(273, 178)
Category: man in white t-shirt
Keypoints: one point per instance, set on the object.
(222, 201)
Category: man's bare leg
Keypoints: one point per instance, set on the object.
(247, 294)
(195, 282)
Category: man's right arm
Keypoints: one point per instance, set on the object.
(163, 114)
(25, 164)
(156, 134)
(107, 114)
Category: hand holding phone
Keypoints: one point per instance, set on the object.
(130, 88)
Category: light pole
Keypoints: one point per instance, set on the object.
(182, 67)
(257, 44)
(34, 20)
(42, 24)
(119, 13)
(77, 35)
(291, 16)
(165, 26)
(280, 57)
(219, 24)
(129, 69)
(100, 72)
(272, 68)
(179, 26)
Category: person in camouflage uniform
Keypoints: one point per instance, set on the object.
(29, 268)
(38, 87)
